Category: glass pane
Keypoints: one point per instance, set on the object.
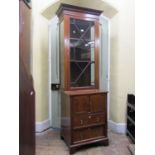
(82, 35)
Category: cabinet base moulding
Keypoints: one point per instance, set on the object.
(102, 141)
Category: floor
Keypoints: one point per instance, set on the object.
(50, 143)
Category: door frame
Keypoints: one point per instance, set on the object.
(50, 67)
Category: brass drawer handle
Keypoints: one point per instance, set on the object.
(89, 117)
(81, 121)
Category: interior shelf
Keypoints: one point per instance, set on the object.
(72, 60)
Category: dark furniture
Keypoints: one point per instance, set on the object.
(131, 117)
(83, 105)
(26, 90)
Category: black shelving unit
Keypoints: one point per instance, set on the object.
(130, 132)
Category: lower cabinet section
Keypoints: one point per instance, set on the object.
(86, 112)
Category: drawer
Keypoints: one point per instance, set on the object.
(96, 119)
(84, 120)
(88, 133)
(96, 132)
(98, 103)
(80, 104)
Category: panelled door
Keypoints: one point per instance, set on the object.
(26, 91)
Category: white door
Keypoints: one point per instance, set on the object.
(105, 56)
(54, 96)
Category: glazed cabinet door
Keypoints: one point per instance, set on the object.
(82, 53)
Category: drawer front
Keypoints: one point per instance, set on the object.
(98, 103)
(88, 134)
(96, 119)
(84, 120)
(80, 104)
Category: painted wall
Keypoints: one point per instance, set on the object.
(122, 59)
(40, 62)
(121, 14)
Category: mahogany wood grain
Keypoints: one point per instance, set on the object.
(25, 34)
(97, 46)
(66, 53)
(80, 104)
(26, 90)
(73, 10)
(26, 113)
(96, 103)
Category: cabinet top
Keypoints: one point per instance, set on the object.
(84, 92)
(73, 8)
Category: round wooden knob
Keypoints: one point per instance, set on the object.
(31, 93)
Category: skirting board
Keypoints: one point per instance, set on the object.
(117, 127)
(41, 126)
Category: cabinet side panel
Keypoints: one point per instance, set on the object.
(97, 51)
(62, 54)
(65, 118)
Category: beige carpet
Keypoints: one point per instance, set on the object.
(51, 144)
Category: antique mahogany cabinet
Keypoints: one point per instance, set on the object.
(83, 105)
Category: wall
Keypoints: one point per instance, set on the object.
(40, 62)
(122, 59)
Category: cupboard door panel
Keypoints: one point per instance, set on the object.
(80, 104)
(98, 103)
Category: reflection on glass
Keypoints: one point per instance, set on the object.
(82, 35)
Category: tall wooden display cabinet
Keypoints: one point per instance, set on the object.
(83, 105)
